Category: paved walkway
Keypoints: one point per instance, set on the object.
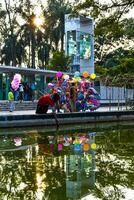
(32, 112)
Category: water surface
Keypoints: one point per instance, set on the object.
(71, 163)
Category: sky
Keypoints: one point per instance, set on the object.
(38, 10)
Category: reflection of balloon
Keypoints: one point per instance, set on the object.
(88, 157)
(93, 146)
(77, 141)
(77, 147)
(93, 134)
(58, 74)
(77, 74)
(60, 146)
(17, 141)
(85, 74)
(66, 77)
(86, 147)
(92, 76)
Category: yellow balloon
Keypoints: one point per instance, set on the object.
(93, 76)
(77, 141)
(93, 146)
(77, 79)
(74, 80)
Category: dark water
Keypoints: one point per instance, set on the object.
(72, 163)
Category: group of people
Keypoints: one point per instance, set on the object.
(73, 94)
(70, 94)
(19, 91)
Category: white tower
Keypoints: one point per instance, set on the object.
(79, 43)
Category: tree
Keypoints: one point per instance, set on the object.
(8, 32)
(111, 30)
(54, 26)
(28, 30)
(59, 62)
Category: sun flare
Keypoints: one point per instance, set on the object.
(38, 21)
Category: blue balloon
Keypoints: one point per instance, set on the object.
(77, 74)
(77, 147)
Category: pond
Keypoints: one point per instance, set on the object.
(72, 163)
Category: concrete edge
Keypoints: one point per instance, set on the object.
(64, 119)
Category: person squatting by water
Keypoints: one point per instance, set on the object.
(46, 101)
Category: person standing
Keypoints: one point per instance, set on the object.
(26, 91)
(21, 92)
(32, 88)
(73, 96)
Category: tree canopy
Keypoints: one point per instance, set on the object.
(23, 42)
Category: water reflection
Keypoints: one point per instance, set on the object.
(68, 165)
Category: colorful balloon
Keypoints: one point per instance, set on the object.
(93, 76)
(77, 74)
(51, 85)
(85, 74)
(93, 146)
(17, 141)
(77, 147)
(58, 74)
(17, 77)
(86, 147)
(66, 77)
(60, 147)
(16, 81)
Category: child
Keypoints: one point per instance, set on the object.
(11, 101)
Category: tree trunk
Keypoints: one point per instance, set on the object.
(13, 40)
(33, 48)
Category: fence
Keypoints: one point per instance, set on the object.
(120, 97)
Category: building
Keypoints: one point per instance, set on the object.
(38, 77)
(79, 43)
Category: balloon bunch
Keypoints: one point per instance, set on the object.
(77, 91)
(17, 141)
(16, 81)
(81, 142)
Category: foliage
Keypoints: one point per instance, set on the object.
(59, 62)
(25, 43)
(112, 31)
(54, 26)
(100, 70)
(113, 58)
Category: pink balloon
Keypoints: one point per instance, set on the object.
(16, 81)
(60, 146)
(58, 74)
(15, 84)
(17, 77)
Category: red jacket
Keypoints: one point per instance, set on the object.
(46, 100)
